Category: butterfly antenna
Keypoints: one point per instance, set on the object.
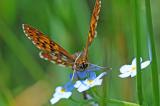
(103, 68)
(108, 68)
(73, 74)
(75, 65)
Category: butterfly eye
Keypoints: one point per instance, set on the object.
(83, 66)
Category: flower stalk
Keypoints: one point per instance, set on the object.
(155, 79)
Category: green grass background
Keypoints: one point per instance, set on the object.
(124, 31)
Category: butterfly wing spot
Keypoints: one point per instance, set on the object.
(53, 62)
(59, 61)
(45, 56)
(33, 42)
(40, 54)
(64, 58)
(95, 34)
(54, 57)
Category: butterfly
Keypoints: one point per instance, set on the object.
(53, 52)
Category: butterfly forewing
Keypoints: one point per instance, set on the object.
(83, 56)
(93, 23)
(92, 29)
(50, 50)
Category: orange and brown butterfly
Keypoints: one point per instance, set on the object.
(53, 52)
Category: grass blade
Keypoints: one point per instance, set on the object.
(154, 67)
(138, 51)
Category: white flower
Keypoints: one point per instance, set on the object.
(88, 83)
(131, 70)
(60, 93)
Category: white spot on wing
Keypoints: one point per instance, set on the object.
(23, 26)
(100, 3)
(53, 62)
(53, 54)
(41, 56)
(95, 34)
(33, 42)
(64, 58)
(54, 57)
(25, 31)
(59, 60)
(96, 24)
(97, 17)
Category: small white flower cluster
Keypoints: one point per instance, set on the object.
(131, 70)
(88, 83)
(62, 92)
(59, 94)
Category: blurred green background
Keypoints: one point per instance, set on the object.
(27, 80)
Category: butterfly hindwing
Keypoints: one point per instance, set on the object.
(50, 49)
(52, 57)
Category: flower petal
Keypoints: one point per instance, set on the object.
(92, 75)
(61, 92)
(68, 86)
(97, 82)
(145, 64)
(82, 74)
(133, 73)
(58, 89)
(124, 75)
(83, 87)
(125, 68)
(54, 100)
(77, 84)
(79, 75)
(66, 95)
(134, 61)
(101, 75)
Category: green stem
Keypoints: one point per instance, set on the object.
(119, 102)
(154, 67)
(122, 102)
(104, 92)
(138, 51)
(113, 101)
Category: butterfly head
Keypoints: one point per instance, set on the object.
(80, 63)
